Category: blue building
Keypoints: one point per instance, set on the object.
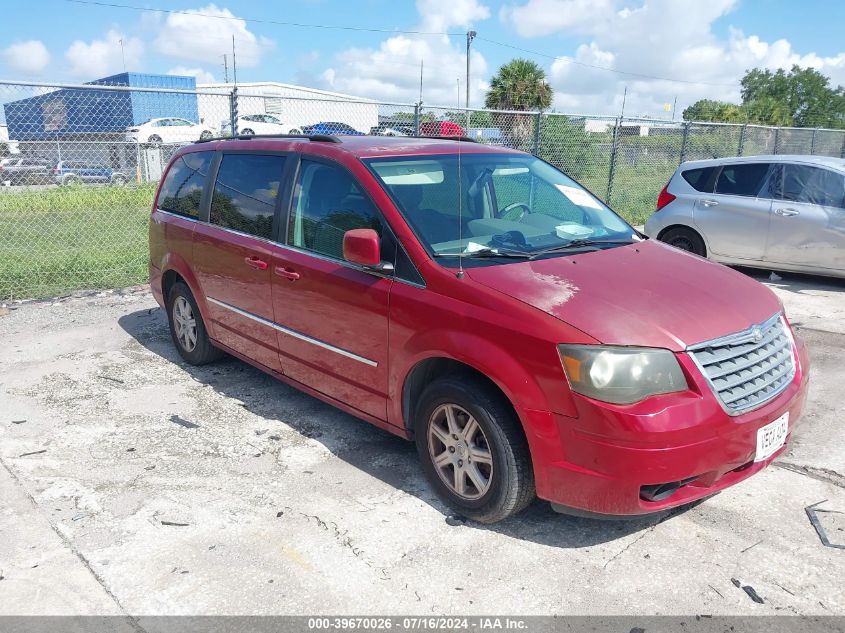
(87, 113)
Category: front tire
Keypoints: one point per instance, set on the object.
(187, 327)
(248, 132)
(473, 449)
(205, 135)
(686, 240)
(154, 140)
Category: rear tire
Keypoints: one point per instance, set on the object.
(473, 449)
(187, 327)
(154, 140)
(248, 132)
(686, 240)
(205, 135)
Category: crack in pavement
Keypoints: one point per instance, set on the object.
(820, 474)
(131, 620)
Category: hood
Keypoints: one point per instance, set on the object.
(646, 294)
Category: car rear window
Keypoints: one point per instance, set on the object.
(700, 179)
(245, 193)
(741, 180)
(181, 191)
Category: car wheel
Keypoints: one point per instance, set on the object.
(248, 132)
(473, 449)
(119, 180)
(155, 139)
(187, 327)
(686, 240)
(295, 130)
(205, 135)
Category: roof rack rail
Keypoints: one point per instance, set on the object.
(321, 138)
(446, 137)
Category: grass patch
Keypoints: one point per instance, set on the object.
(61, 239)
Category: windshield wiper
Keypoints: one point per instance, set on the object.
(485, 253)
(577, 244)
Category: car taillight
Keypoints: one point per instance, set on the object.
(664, 198)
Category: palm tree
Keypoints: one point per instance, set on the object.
(519, 85)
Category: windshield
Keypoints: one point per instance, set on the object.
(509, 204)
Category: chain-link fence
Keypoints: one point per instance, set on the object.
(79, 164)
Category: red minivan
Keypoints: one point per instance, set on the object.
(482, 303)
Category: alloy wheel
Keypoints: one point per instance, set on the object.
(459, 451)
(185, 324)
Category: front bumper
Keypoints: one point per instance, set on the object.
(606, 455)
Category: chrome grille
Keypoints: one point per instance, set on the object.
(749, 368)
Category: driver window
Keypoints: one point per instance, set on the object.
(328, 203)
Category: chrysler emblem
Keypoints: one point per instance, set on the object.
(757, 334)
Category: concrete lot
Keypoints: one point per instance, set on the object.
(132, 483)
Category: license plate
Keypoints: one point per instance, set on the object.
(771, 437)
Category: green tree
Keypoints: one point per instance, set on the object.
(519, 85)
(801, 97)
(710, 110)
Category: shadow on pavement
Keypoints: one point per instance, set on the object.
(391, 459)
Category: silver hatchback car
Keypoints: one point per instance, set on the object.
(778, 212)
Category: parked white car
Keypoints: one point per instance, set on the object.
(260, 124)
(168, 130)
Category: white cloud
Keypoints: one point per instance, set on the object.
(100, 58)
(30, 57)
(660, 38)
(544, 17)
(192, 35)
(391, 72)
(201, 75)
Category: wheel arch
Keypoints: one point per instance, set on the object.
(427, 370)
(175, 269)
(678, 225)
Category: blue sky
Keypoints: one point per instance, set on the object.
(673, 43)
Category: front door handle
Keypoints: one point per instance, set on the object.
(287, 273)
(710, 203)
(254, 262)
(787, 212)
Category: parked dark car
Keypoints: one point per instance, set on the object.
(24, 171)
(481, 302)
(68, 172)
(331, 127)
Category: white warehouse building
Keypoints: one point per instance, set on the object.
(293, 105)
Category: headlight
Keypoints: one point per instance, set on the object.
(621, 375)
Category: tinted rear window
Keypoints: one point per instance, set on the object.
(700, 179)
(245, 193)
(181, 191)
(741, 180)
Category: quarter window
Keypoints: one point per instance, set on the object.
(328, 203)
(181, 191)
(700, 179)
(741, 179)
(245, 193)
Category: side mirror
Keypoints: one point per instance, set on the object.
(361, 246)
